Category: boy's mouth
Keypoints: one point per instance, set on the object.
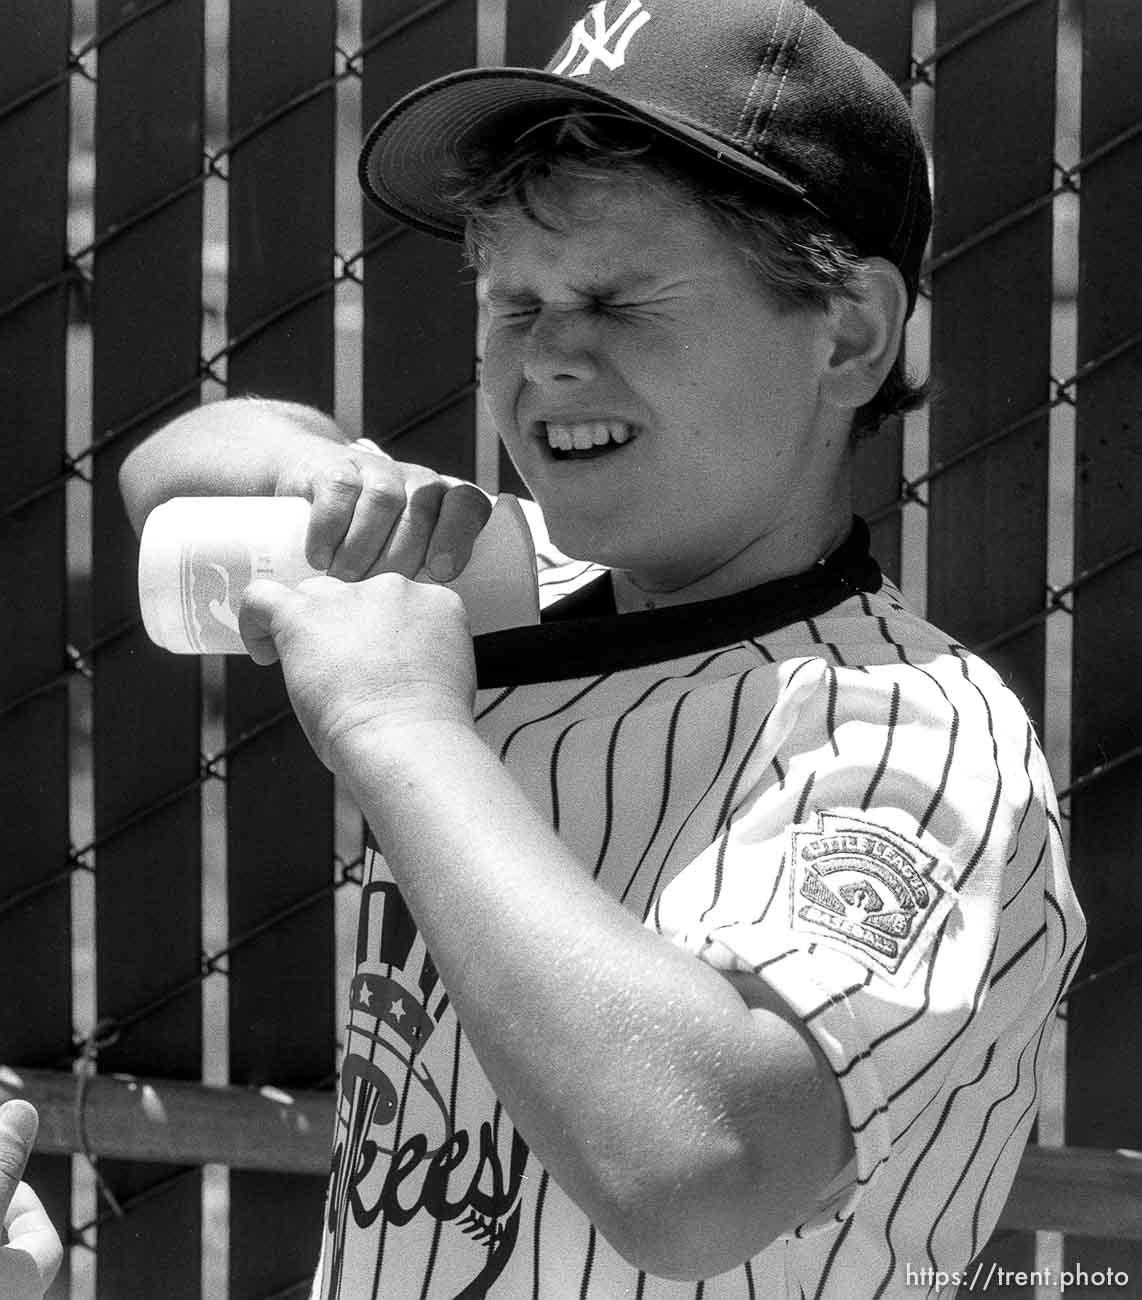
(587, 438)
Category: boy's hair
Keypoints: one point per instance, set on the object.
(796, 255)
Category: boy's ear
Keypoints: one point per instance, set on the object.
(866, 331)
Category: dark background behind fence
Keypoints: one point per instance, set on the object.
(180, 219)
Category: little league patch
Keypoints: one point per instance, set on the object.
(867, 891)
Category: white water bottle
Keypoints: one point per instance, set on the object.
(197, 555)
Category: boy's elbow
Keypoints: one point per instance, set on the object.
(145, 481)
(155, 469)
(685, 1245)
(695, 1224)
(133, 490)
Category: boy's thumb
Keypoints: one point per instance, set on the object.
(18, 1125)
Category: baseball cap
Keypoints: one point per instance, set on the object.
(763, 88)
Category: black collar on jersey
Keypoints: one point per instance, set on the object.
(582, 635)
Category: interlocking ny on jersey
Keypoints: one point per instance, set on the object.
(805, 781)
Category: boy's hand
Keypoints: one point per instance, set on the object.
(372, 514)
(359, 658)
(30, 1250)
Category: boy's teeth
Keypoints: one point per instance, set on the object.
(588, 434)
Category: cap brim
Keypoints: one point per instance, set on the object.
(413, 149)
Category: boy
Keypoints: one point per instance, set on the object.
(721, 918)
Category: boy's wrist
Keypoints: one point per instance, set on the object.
(408, 736)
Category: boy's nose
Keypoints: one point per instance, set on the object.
(559, 346)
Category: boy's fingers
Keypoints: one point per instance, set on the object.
(257, 617)
(18, 1125)
(334, 499)
(378, 507)
(408, 542)
(463, 514)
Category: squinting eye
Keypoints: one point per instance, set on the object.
(616, 308)
(521, 316)
(506, 309)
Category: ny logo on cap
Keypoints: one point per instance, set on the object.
(587, 46)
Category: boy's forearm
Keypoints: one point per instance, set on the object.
(631, 1068)
(229, 448)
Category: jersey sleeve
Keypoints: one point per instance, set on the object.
(890, 863)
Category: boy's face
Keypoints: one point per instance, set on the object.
(663, 411)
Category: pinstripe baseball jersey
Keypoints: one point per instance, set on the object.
(805, 781)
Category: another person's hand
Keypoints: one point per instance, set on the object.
(30, 1249)
(360, 657)
(372, 514)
